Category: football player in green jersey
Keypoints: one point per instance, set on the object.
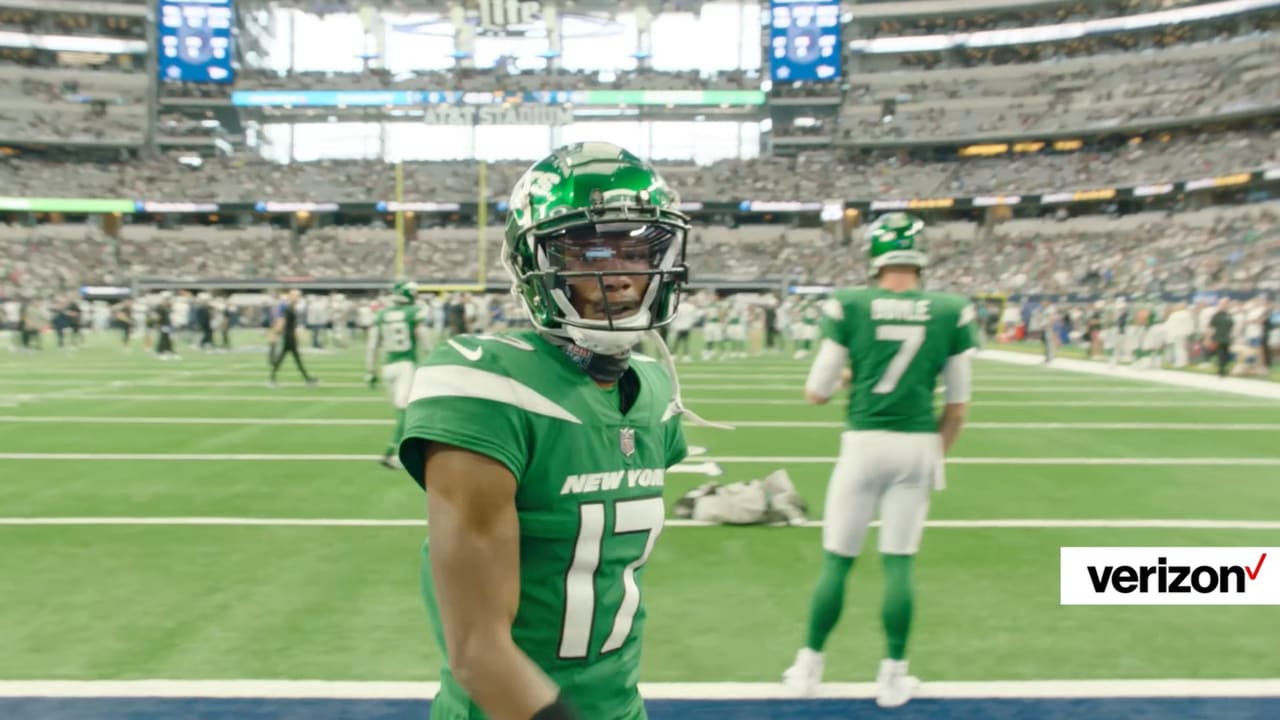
(893, 339)
(398, 331)
(543, 452)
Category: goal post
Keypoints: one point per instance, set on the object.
(482, 239)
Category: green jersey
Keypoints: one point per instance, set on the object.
(898, 343)
(589, 501)
(397, 328)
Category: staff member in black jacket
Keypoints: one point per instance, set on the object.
(283, 337)
(164, 327)
(1268, 326)
(1221, 324)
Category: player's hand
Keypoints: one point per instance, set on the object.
(371, 380)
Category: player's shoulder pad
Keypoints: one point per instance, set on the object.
(954, 305)
(497, 354)
(506, 369)
(651, 372)
(837, 304)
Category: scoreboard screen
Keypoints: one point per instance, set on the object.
(195, 41)
(804, 40)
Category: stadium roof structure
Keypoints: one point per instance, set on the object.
(322, 7)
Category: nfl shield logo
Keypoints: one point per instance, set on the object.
(627, 440)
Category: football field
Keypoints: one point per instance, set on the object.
(181, 521)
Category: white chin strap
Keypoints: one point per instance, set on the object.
(605, 342)
(611, 342)
(676, 405)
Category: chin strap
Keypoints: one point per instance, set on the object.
(676, 407)
(600, 367)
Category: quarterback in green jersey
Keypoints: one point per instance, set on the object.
(543, 452)
(892, 341)
(398, 331)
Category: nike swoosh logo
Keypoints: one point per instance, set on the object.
(468, 353)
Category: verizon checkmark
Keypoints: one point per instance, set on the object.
(1253, 573)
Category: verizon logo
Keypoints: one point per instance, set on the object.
(1173, 578)
(1168, 576)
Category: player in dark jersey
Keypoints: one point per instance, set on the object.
(283, 337)
(164, 328)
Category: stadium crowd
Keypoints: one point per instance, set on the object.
(1221, 248)
(809, 175)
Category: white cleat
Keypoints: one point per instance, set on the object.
(895, 686)
(805, 674)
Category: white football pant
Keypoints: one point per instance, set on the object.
(397, 378)
(892, 472)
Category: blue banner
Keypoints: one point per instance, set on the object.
(804, 40)
(195, 41)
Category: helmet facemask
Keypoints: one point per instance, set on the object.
(623, 272)
(595, 245)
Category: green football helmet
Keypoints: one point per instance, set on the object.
(404, 292)
(896, 238)
(579, 213)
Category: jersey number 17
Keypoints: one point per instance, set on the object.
(643, 515)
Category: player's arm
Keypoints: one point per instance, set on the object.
(277, 329)
(956, 378)
(830, 367)
(474, 540)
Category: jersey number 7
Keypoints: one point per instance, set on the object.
(911, 337)
(644, 515)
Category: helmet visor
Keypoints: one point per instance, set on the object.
(615, 271)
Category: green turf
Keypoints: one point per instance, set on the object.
(802, 442)
(135, 601)
(723, 603)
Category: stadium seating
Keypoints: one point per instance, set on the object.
(1224, 248)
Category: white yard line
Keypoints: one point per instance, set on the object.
(374, 690)
(379, 397)
(111, 420)
(777, 424)
(693, 402)
(182, 376)
(265, 396)
(1177, 378)
(796, 387)
(994, 524)
(782, 459)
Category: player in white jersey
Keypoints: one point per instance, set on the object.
(735, 331)
(713, 330)
(682, 326)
